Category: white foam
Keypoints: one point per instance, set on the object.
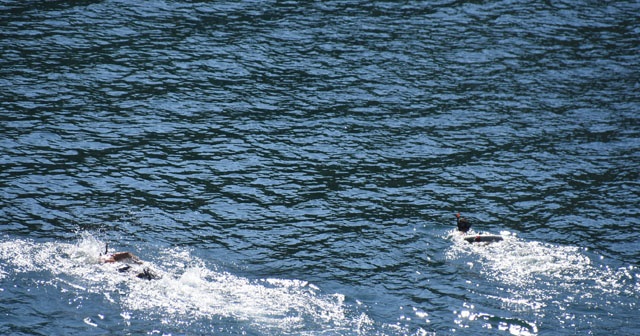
(536, 272)
(187, 291)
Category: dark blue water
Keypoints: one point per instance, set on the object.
(293, 167)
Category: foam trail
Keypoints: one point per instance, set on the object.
(188, 291)
(199, 292)
(538, 274)
(534, 278)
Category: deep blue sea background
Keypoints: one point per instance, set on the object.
(294, 167)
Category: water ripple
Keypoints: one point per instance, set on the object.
(332, 142)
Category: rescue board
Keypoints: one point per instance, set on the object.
(484, 238)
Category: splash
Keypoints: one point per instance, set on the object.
(188, 291)
(198, 292)
(532, 276)
(524, 264)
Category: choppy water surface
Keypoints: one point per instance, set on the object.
(294, 168)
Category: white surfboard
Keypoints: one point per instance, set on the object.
(483, 238)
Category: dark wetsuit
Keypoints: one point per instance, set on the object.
(463, 224)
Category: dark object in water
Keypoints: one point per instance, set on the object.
(148, 274)
(463, 223)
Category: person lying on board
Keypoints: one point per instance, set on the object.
(120, 256)
(127, 258)
(463, 223)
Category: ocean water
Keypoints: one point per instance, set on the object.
(294, 167)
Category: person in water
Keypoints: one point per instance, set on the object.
(127, 258)
(463, 223)
(120, 256)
